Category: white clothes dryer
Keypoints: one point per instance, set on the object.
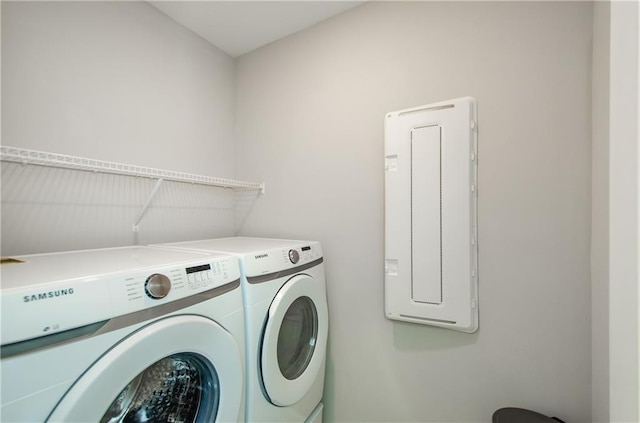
(126, 334)
(287, 323)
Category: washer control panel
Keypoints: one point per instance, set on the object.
(61, 291)
(137, 291)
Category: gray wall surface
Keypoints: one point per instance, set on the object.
(310, 112)
(121, 82)
(624, 212)
(600, 215)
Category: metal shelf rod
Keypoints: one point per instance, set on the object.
(24, 156)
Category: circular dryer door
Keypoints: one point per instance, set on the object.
(295, 340)
(172, 370)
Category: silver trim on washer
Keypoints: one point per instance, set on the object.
(110, 325)
(283, 273)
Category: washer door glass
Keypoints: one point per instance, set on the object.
(172, 389)
(297, 337)
(170, 370)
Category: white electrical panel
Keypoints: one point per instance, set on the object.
(431, 208)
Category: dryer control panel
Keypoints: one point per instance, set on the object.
(283, 258)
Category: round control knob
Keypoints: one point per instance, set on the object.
(294, 256)
(157, 286)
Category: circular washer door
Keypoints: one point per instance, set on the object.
(182, 369)
(295, 340)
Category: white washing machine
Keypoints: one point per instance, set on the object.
(122, 335)
(287, 324)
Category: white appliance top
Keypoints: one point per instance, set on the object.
(46, 293)
(44, 269)
(259, 256)
(238, 245)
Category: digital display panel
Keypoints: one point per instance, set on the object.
(196, 269)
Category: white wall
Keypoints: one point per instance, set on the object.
(115, 81)
(600, 215)
(310, 123)
(624, 214)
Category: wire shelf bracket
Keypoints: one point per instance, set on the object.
(42, 158)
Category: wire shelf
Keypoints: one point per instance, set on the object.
(24, 156)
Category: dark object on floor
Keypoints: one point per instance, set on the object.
(520, 415)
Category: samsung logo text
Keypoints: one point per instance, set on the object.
(259, 256)
(47, 295)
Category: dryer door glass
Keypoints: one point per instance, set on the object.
(178, 388)
(297, 337)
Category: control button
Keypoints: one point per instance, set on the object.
(294, 256)
(191, 281)
(157, 286)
